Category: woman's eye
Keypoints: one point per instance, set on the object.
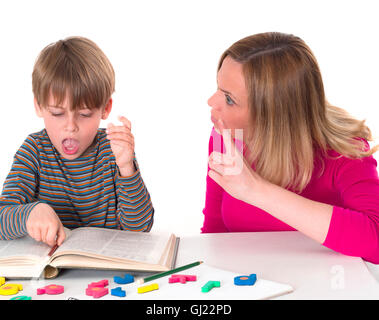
(229, 100)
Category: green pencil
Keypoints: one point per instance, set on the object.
(163, 274)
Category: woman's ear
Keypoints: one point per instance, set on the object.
(37, 108)
(107, 110)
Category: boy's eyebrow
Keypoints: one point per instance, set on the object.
(54, 106)
(60, 107)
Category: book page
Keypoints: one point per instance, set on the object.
(146, 247)
(25, 247)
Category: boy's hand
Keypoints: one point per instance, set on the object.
(44, 225)
(122, 144)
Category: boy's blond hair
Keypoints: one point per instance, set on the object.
(75, 68)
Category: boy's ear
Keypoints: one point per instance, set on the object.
(107, 110)
(37, 108)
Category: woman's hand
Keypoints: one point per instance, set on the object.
(231, 171)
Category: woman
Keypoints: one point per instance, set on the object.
(304, 164)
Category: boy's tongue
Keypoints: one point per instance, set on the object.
(70, 146)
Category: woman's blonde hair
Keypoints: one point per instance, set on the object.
(76, 67)
(290, 118)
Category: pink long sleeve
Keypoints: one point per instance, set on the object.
(351, 186)
(354, 228)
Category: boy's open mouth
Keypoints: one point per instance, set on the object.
(70, 146)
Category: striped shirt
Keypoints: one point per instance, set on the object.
(87, 191)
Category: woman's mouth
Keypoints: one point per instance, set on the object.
(70, 146)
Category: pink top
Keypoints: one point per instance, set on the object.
(351, 186)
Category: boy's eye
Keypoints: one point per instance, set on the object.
(86, 115)
(56, 114)
(229, 100)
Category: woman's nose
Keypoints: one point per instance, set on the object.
(212, 100)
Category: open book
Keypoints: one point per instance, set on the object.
(89, 248)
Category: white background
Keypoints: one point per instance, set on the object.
(165, 55)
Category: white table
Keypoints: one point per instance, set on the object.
(314, 271)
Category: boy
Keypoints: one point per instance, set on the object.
(72, 173)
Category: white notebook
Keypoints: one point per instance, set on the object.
(262, 289)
